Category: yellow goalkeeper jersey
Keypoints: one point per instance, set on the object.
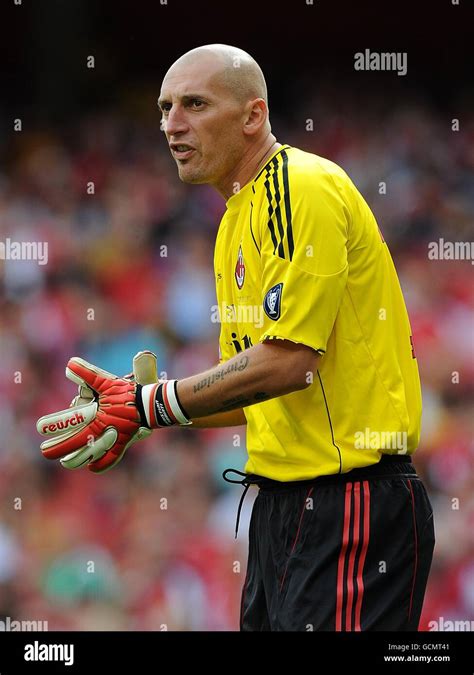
(299, 256)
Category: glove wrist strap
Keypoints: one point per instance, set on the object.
(161, 406)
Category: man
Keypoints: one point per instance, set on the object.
(316, 359)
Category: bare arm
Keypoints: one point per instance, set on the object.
(264, 371)
(233, 418)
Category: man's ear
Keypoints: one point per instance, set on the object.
(256, 116)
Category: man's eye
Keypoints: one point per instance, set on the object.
(165, 107)
(197, 103)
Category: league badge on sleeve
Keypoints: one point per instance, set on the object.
(272, 302)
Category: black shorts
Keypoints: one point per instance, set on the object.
(349, 552)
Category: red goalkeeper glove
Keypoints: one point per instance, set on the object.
(121, 412)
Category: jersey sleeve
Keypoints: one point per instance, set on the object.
(304, 230)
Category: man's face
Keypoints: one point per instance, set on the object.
(202, 121)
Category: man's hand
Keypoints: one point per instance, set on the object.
(97, 429)
(97, 433)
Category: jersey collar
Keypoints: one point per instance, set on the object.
(236, 199)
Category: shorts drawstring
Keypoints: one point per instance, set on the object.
(247, 480)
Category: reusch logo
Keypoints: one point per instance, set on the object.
(78, 418)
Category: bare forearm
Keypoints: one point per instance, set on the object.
(257, 374)
(233, 418)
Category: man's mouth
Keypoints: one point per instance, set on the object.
(181, 150)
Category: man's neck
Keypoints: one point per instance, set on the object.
(248, 168)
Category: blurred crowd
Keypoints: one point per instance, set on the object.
(150, 545)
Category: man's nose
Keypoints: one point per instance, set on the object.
(175, 123)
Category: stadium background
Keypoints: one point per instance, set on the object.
(179, 567)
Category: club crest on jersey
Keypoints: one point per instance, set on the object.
(240, 269)
(272, 302)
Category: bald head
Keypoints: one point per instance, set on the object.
(215, 113)
(235, 69)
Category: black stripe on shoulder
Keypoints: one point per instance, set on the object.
(271, 226)
(251, 229)
(330, 423)
(266, 167)
(276, 185)
(286, 191)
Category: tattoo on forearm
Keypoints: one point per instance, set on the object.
(220, 374)
(233, 403)
(242, 402)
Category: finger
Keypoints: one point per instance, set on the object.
(143, 433)
(64, 445)
(90, 452)
(83, 396)
(145, 367)
(113, 457)
(108, 461)
(58, 423)
(81, 372)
